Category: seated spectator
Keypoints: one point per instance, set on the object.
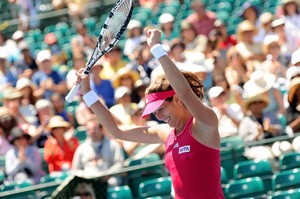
(47, 79)
(7, 122)
(229, 115)
(265, 20)
(28, 100)
(83, 42)
(22, 114)
(126, 77)
(58, 55)
(58, 103)
(143, 62)
(237, 71)
(189, 36)
(249, 11)
(112, 62)
(103, 87)
(26, 65)
(7, 78)
(124, 105)
(265, 83)
(59, 149)
(134, 37)
(23, 161)
(274, 63)
(84, 190)
(202, 19)
(169, 31)
(98, 153)
(255, 125)
(250, 50)
(291, 14)
(82, 112)
(293, 110)
(45, 111)
(288, 42)
(78, 62)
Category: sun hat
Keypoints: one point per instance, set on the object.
(23, 46)
(121, 91)
(244, 26)
(291, 72)
(294, 85)
(166, 18)
(245, 6)
(58, 121)
(42, 103)
(248, 99)
(295, 57)
(3, 53)
(133, 23)
(278, 22)
(24, 82)
(266, 17)
(260, 82)
(43, 55)
(15, 133)
(19, 34)
(215, 91)
(11, 93)
(284, 2)
(122, 72)
(155, 100)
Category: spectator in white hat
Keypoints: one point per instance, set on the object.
(264, 83)
(134, 36)
(47, 79)
(169, 31)
(289, 42)
(275, 63)
(124, 105)
(229, 115)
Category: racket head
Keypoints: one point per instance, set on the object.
(112, 30)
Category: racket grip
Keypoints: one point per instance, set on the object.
(72, 93)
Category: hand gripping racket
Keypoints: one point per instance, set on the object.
(111, 32)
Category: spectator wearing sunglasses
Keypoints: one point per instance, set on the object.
(84, 190)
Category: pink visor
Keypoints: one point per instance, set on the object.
(155, 100)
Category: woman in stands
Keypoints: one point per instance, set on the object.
(190, 132)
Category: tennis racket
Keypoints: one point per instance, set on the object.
(111, 32)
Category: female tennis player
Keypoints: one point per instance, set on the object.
(190, 132)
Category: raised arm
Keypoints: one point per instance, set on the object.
(132, 133)
(180, 85)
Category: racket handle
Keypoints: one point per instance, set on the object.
(72, 93)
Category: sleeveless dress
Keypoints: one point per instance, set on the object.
(194, 167)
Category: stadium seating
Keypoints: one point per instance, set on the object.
(289, 161)
(285, 180)
(252, 168)
(245, 188)
(287, 194)
(155, 187)
(138, 176)
(119, 192)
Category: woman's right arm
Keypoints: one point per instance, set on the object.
(131, 133)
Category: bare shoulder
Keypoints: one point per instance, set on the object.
(162, 130)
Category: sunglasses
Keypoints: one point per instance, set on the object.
(86, 194)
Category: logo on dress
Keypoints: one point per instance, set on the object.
(184, 149)
(176, 145)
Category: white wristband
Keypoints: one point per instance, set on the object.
(158, 51)
(90, 98)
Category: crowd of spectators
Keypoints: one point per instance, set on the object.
(251, 80)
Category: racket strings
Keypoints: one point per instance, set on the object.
(120, 18)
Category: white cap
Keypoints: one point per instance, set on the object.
(133, 23)
(295, 57)
(121, 91)
(165, 18)
(270, 39)
(17, 35)
(43, 55)
(42, 103)
(292, 71)
(215, 92)
(3, 53)
(278, 22)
